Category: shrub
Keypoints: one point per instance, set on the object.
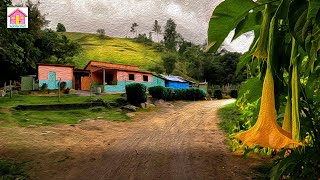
(120, 102)
(66, 91)
(180, 94)
(63, 85)
(234, 93)
(170, 94)
(195, 94)
(158, 92)
(217, 94)
(136, 93)
(44, 86)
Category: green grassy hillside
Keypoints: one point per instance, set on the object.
(115, 50)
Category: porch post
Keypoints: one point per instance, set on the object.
(104, 77)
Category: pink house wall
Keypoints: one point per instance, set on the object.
(138, 77)
(65, 73)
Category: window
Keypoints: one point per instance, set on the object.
(145, 78)
(131, 77)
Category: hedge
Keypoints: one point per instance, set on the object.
(136, 93)
(158, 92)
(169, 94)
(217, 94)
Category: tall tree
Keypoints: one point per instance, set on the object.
(133, 29)
(60, 28)
(169, 62)
(195, 59)
(101, 32)
(170, 35)
(156, 29)
(22, 49)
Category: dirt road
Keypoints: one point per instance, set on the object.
(183, 142)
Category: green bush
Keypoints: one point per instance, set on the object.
(195, 94)
(44, 87)
(170, 94)
(180, 94)
(11, 170)
(234, 93)
(217, 94)
(136, 93)
(158, 92)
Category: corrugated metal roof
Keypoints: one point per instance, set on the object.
(173, 78)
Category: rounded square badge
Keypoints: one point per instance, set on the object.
(17, 17)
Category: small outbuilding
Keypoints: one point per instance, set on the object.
(204, 86)
(175, 82)
(28, 83)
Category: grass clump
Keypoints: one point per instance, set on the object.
(11, 171)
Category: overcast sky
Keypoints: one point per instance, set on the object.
(116, 17)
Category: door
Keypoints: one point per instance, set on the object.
(52, 80)
(17, 19)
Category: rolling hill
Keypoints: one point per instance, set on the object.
(115, 50)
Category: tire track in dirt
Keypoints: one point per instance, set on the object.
(183, 142)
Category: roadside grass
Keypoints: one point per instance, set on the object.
(115, 50)
(229, 116)
(229, 121)
(16, 100)
(10, 117)
(10, 170)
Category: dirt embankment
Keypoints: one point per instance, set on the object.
(183, 142)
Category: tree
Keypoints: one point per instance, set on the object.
(101, 32)
(133, 29)
(156, 29)
(61, 28)
(22, 49)
(195, 59)
(170, 35)
(169, 62)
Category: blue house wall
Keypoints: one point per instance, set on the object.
(121, 85)
(177, 85)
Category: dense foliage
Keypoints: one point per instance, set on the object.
(169, 94)
(61, 27)
(287, 43)
(158, 92)
(22, 49)
(136, 93)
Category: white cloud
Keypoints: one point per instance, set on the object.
(116, 17)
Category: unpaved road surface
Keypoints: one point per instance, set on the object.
(183, 142)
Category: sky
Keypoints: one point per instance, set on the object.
(116, 16)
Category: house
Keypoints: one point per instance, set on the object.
(112, 77)
(51, 74)
(175, 82)
(17, 17)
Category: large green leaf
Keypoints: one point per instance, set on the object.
(297, 20)
(225, 18)
(251, 22)
(313, 8)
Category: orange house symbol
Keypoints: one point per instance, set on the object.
(17, 17)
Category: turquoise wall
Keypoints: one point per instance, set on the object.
(120, 87)
(55, 86)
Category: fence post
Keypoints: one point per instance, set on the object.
(59, 84)
(10, 87)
